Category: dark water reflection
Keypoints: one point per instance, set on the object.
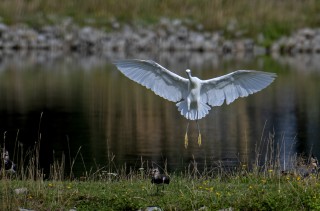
(87, 102)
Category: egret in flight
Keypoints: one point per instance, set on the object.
(194, 97)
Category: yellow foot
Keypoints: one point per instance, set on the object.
(199, 139)
(186, 141)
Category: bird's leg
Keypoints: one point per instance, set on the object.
(199, 135)
(186, 137)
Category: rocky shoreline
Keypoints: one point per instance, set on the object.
(305, 40)
(166, 36)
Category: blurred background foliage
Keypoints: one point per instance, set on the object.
(270, 18)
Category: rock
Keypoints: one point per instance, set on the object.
(228, 47)
(203, 208)
(302, 41)
(306, 33)
(167, 35)
(226, 209)
(153, 208)
(3, 27)
(23, 209)
(20, 191)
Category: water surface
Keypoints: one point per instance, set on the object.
(85, 102)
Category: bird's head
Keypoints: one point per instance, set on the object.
(188, 71)
(155, 171)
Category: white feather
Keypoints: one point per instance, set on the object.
(194, 96)
(237, 84)
(161, 81)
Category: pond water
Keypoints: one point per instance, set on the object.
(86, 102)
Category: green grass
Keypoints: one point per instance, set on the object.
(271, 18)
(241, 192)
(259, 185)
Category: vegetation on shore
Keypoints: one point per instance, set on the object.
(240, 191)
(248, 18)
(258, 185)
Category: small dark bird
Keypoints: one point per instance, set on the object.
(8, 164)
(159, 179)
(306, 168)
(314, 164)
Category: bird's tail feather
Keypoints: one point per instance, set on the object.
(193, 113)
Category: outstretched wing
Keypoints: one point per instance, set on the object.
(155, 77)
(240, 83)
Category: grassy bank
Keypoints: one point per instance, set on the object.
(258, 185)
(247, 191)
(251, 17)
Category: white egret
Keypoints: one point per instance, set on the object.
(194, 97)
